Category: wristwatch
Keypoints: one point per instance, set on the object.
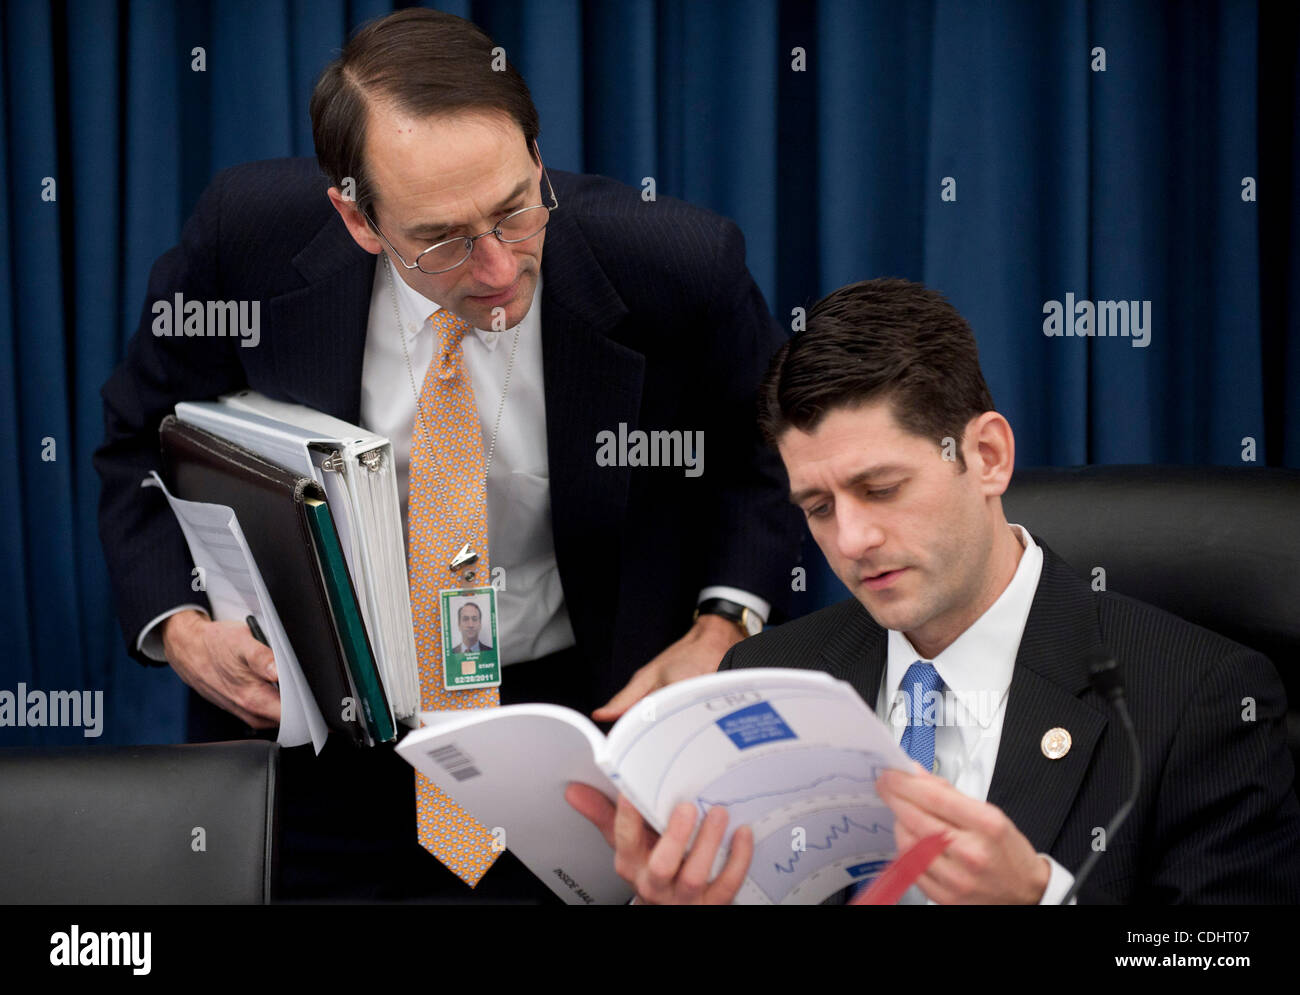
(748, 620)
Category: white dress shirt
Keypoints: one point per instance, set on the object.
(533, 619)
(976, 672)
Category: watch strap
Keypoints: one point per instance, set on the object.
(745, 617)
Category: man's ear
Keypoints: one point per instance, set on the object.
(990, 450)
(357, 227)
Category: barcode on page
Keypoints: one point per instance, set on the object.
(455, 763)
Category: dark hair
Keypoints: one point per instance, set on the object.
(876, 340)
(425, 62)
(468, 604)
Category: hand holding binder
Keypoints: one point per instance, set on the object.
(290, 536)
(214, 658)
(236, 591)
(355, 469)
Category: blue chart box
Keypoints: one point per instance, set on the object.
(754, 725)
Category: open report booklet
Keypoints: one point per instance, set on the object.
(794, 754)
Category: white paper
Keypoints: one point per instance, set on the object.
(235, 590)
(510, 773)
(793, 754)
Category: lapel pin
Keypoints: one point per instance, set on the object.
(1056, 743)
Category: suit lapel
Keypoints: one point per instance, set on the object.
(856, 652)
(319, 331)
(1050, 674)
(592, 383)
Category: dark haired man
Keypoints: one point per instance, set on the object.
(421, 249)
(469, 622)
(898, 462)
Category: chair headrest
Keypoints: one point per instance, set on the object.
(1219, 546)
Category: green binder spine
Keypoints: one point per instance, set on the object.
(347, 615)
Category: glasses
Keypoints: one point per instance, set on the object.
(517, 226)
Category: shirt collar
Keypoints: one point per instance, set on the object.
(977, 667)
(415, 310)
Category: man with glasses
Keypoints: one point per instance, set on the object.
(406, 291)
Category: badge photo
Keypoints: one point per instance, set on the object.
(469, 638)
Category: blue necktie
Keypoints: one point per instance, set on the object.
(918, 737)
(919, 684)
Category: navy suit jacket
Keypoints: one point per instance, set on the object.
(650, 318)
(1216, 820)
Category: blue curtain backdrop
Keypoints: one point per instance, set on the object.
(1119, 184)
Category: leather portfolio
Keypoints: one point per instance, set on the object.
(279, 513)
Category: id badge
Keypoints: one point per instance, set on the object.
(469, 638)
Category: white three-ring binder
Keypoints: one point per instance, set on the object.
(356, 469)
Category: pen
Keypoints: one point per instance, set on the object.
(260, 636)
(256, 630)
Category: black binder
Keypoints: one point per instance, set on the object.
(270, 503)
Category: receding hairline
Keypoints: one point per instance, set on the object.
(491, 118)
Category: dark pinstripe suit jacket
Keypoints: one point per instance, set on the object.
(650, 318)
(1216, 820)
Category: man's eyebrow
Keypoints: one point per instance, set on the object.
(431, 229)
(861, 477)
(799, 497)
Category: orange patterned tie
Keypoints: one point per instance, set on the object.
(447, 508)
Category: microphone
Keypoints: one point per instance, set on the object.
(1107, 681)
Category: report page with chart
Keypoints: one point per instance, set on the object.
(794, 754)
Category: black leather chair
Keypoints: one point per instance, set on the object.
(120, 825)
(1218, 546)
